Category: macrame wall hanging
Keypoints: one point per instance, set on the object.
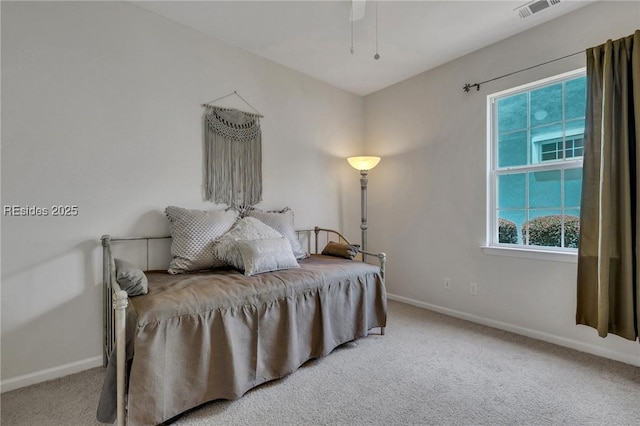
(233, 155)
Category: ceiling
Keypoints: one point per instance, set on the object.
(314, 37)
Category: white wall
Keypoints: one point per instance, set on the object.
(101, 109)
(427, 200)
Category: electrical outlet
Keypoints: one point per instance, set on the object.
(447, 283)
(473, 288)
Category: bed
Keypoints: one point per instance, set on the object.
(216, 334)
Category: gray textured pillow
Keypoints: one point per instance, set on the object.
(272, 254)
(281, 221)
(131, 278)
(247, 228)
(341, 250)
(193, 233)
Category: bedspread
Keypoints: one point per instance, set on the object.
(215, 335)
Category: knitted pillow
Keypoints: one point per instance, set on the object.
(281, 221)
(193, 233)
(247, 228)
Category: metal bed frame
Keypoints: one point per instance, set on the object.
(116, 300)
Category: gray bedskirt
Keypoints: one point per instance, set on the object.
(214, 335)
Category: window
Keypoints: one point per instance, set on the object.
(536, 145)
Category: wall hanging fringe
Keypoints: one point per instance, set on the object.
(467, 87)
(233, 156)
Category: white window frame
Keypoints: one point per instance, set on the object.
(492, 246)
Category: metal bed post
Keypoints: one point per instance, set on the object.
(115, 307)
(316, 229)
(107, 300)
(120, 303)
(382, 257)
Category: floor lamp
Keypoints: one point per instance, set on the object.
(364, 164)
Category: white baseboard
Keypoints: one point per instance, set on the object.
(561, 341)
(49, 374)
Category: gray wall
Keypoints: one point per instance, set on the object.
(101, 109)
(427, 199)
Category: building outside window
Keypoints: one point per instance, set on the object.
(536, 145)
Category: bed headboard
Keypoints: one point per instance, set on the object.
(153, 253)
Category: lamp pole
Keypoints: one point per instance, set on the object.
(363, 210)
(363, 164)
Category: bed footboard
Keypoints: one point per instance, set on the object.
(332, 235)
(116, 300)
(382, 257)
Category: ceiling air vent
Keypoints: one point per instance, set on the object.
(535, 6)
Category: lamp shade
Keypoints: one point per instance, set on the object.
(363, 162)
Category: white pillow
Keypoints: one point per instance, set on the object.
(281, 221)
(272, 254)
(247, 228)
(193, 233)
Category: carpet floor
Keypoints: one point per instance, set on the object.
(428, 369)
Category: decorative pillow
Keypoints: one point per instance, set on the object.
(130, 278)
(272, 254)
(193, 233)
(247, 228)
(281, 221)
(341, 250)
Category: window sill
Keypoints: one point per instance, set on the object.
(554, 256)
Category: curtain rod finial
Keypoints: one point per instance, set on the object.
(467, 87)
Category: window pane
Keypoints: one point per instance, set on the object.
(512, 149)
(540, 137)
(544, 228)
(544, 189)
(571, 228)
(512, 113)
(574, 130)
(509, 224)
(550, 151)
(546, 105)
(511, 190)
(575, 127)
(572, 187)
(575, 98)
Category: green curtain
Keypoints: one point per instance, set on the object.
(608, 290)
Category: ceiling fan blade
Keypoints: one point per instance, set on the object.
(357, 10)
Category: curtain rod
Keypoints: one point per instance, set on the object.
(467, 87)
